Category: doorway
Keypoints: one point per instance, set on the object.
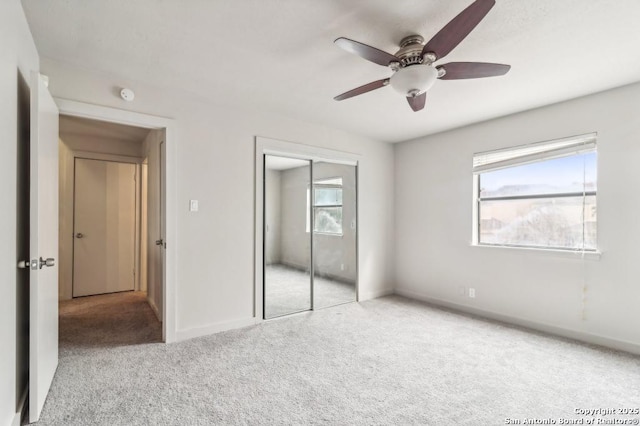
(110, 207)
(160, 146)
(309, 256)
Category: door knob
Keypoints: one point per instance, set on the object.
(49, 261)
(24, 264)
(79, 235)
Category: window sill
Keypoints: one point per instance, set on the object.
(589, 255)
(328, 234)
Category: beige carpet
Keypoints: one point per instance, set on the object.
(389, 361)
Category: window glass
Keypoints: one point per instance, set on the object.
(563, 175)
(327, 206)
(549, 203)
(540, 222)
(328, 196)
(328, 220)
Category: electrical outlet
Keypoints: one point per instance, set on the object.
(342, 266)
(472, 292)
(193, 205)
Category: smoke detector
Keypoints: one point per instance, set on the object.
(127, 94)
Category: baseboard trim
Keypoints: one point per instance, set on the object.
(591, 338)
(374, 294)
(218, 327)
(154, 308)
(22, 405)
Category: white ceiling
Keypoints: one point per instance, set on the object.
(279, 55)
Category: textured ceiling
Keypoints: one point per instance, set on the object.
(279, 55)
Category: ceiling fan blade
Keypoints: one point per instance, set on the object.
(417, 102)
(461, 70)
(363, 89)
(367, 52)
(458, 28)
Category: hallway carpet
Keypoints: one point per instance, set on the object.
(107, 320)
(389, 361)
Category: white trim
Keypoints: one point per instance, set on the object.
(590, 338)
(107, 157)
(374, 294)
(305, 152)
(533, 152)
(113, 115)
(542, 251)
(22, 405)
(218, 327)
(291, 150)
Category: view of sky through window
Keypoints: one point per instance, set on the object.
(559, 175)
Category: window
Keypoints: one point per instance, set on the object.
(327, 206)
(541, 195)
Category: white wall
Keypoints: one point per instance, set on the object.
(144, 244)
(273, 239)
(18, 57)
(295, 247)
(101, 145)
(595, 300)
(65, 218)
(216, 166)
(151, 151)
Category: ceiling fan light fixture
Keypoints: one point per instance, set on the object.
(408, 80)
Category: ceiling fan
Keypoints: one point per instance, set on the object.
(412, 65)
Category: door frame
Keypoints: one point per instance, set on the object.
(119, 116)
(266, 146)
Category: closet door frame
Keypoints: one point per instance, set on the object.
(266, 146)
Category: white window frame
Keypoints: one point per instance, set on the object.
(489, 161)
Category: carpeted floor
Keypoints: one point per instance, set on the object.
(107, 320)
(287, 290)
(389, 361)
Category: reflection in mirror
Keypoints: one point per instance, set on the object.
(334, 236)
(287, 243)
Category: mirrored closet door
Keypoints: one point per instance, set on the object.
(334, 234)
(310, 230)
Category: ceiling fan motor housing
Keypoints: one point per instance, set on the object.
(410, 52)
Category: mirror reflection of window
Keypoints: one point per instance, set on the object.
(327, 206)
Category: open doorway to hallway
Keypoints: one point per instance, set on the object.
(110, 270)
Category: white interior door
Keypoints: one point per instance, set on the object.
(43, 245)
(104, 227)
